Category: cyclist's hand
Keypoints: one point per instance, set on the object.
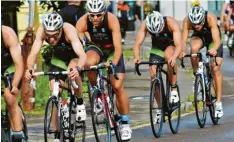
(182, 54)
(137, 60)
(14, 90)
(29, 75)
(212, 52)
(73, 74)
(107, 64)
(172, 61)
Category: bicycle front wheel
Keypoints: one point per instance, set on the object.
(25, 129)
(50, 128)
(100, 122)
(200, 101)
(174, 116)
(212, 98)
(156, 108)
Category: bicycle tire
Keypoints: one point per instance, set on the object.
(52, 102)
(156, 132)
(211, 106)
(172, 108)
(95, 96)
(201, 121)
(25, 128)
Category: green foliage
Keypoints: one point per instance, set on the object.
(54, 5)
(10, 6)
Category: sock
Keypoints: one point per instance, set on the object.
(124, 119)
(80, 101)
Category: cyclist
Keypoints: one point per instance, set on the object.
(67, 50)
(166, 45)
(230, 18)
(12, 63)
(104, 40)
(72, 11)
(206, 33)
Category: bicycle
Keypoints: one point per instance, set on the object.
(6, 132)
(203, 96)
(68, 127)
(230, 43)
(102, 105)
(160, 105)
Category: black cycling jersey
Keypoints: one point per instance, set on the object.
(163, 39)
(72, 13)
(6, 59)
(101, 35)
(63, 50)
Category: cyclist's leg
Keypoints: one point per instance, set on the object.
(15, 114)
(81, 112)
(122, 100)
(93, 58)
(218, 78)
(173, 78)
(197, 42)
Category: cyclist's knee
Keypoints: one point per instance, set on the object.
(216, 70)
(118, 87)
(17, 136)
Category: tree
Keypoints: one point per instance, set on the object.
(54, 5)
(9, 9)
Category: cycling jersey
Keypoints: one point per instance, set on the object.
(102, 42)
(163, 39)
(101, 36)
(206, 36)
(63, 50)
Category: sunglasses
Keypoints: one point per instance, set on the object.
(49, 36)
(98, 15)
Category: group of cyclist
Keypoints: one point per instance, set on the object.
(96, 37)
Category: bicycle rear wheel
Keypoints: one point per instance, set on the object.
(99, 120)
(174, 116)
(49, 129)
(200, 101)
(156, 108)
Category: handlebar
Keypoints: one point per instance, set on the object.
(196, 55)
(102, 66)
(150, 63)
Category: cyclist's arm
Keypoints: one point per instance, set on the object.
(212, 20)
(222, 13)
(71, 35)
(35, 48)
(227, 22)
(114, 26)
(175, 27)
(81, 26)
(139, 40)
(185, 33)
(12, 43)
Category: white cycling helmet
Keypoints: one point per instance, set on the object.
(52, 22)
(196, 14)
(95, 6)
(154, 22)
